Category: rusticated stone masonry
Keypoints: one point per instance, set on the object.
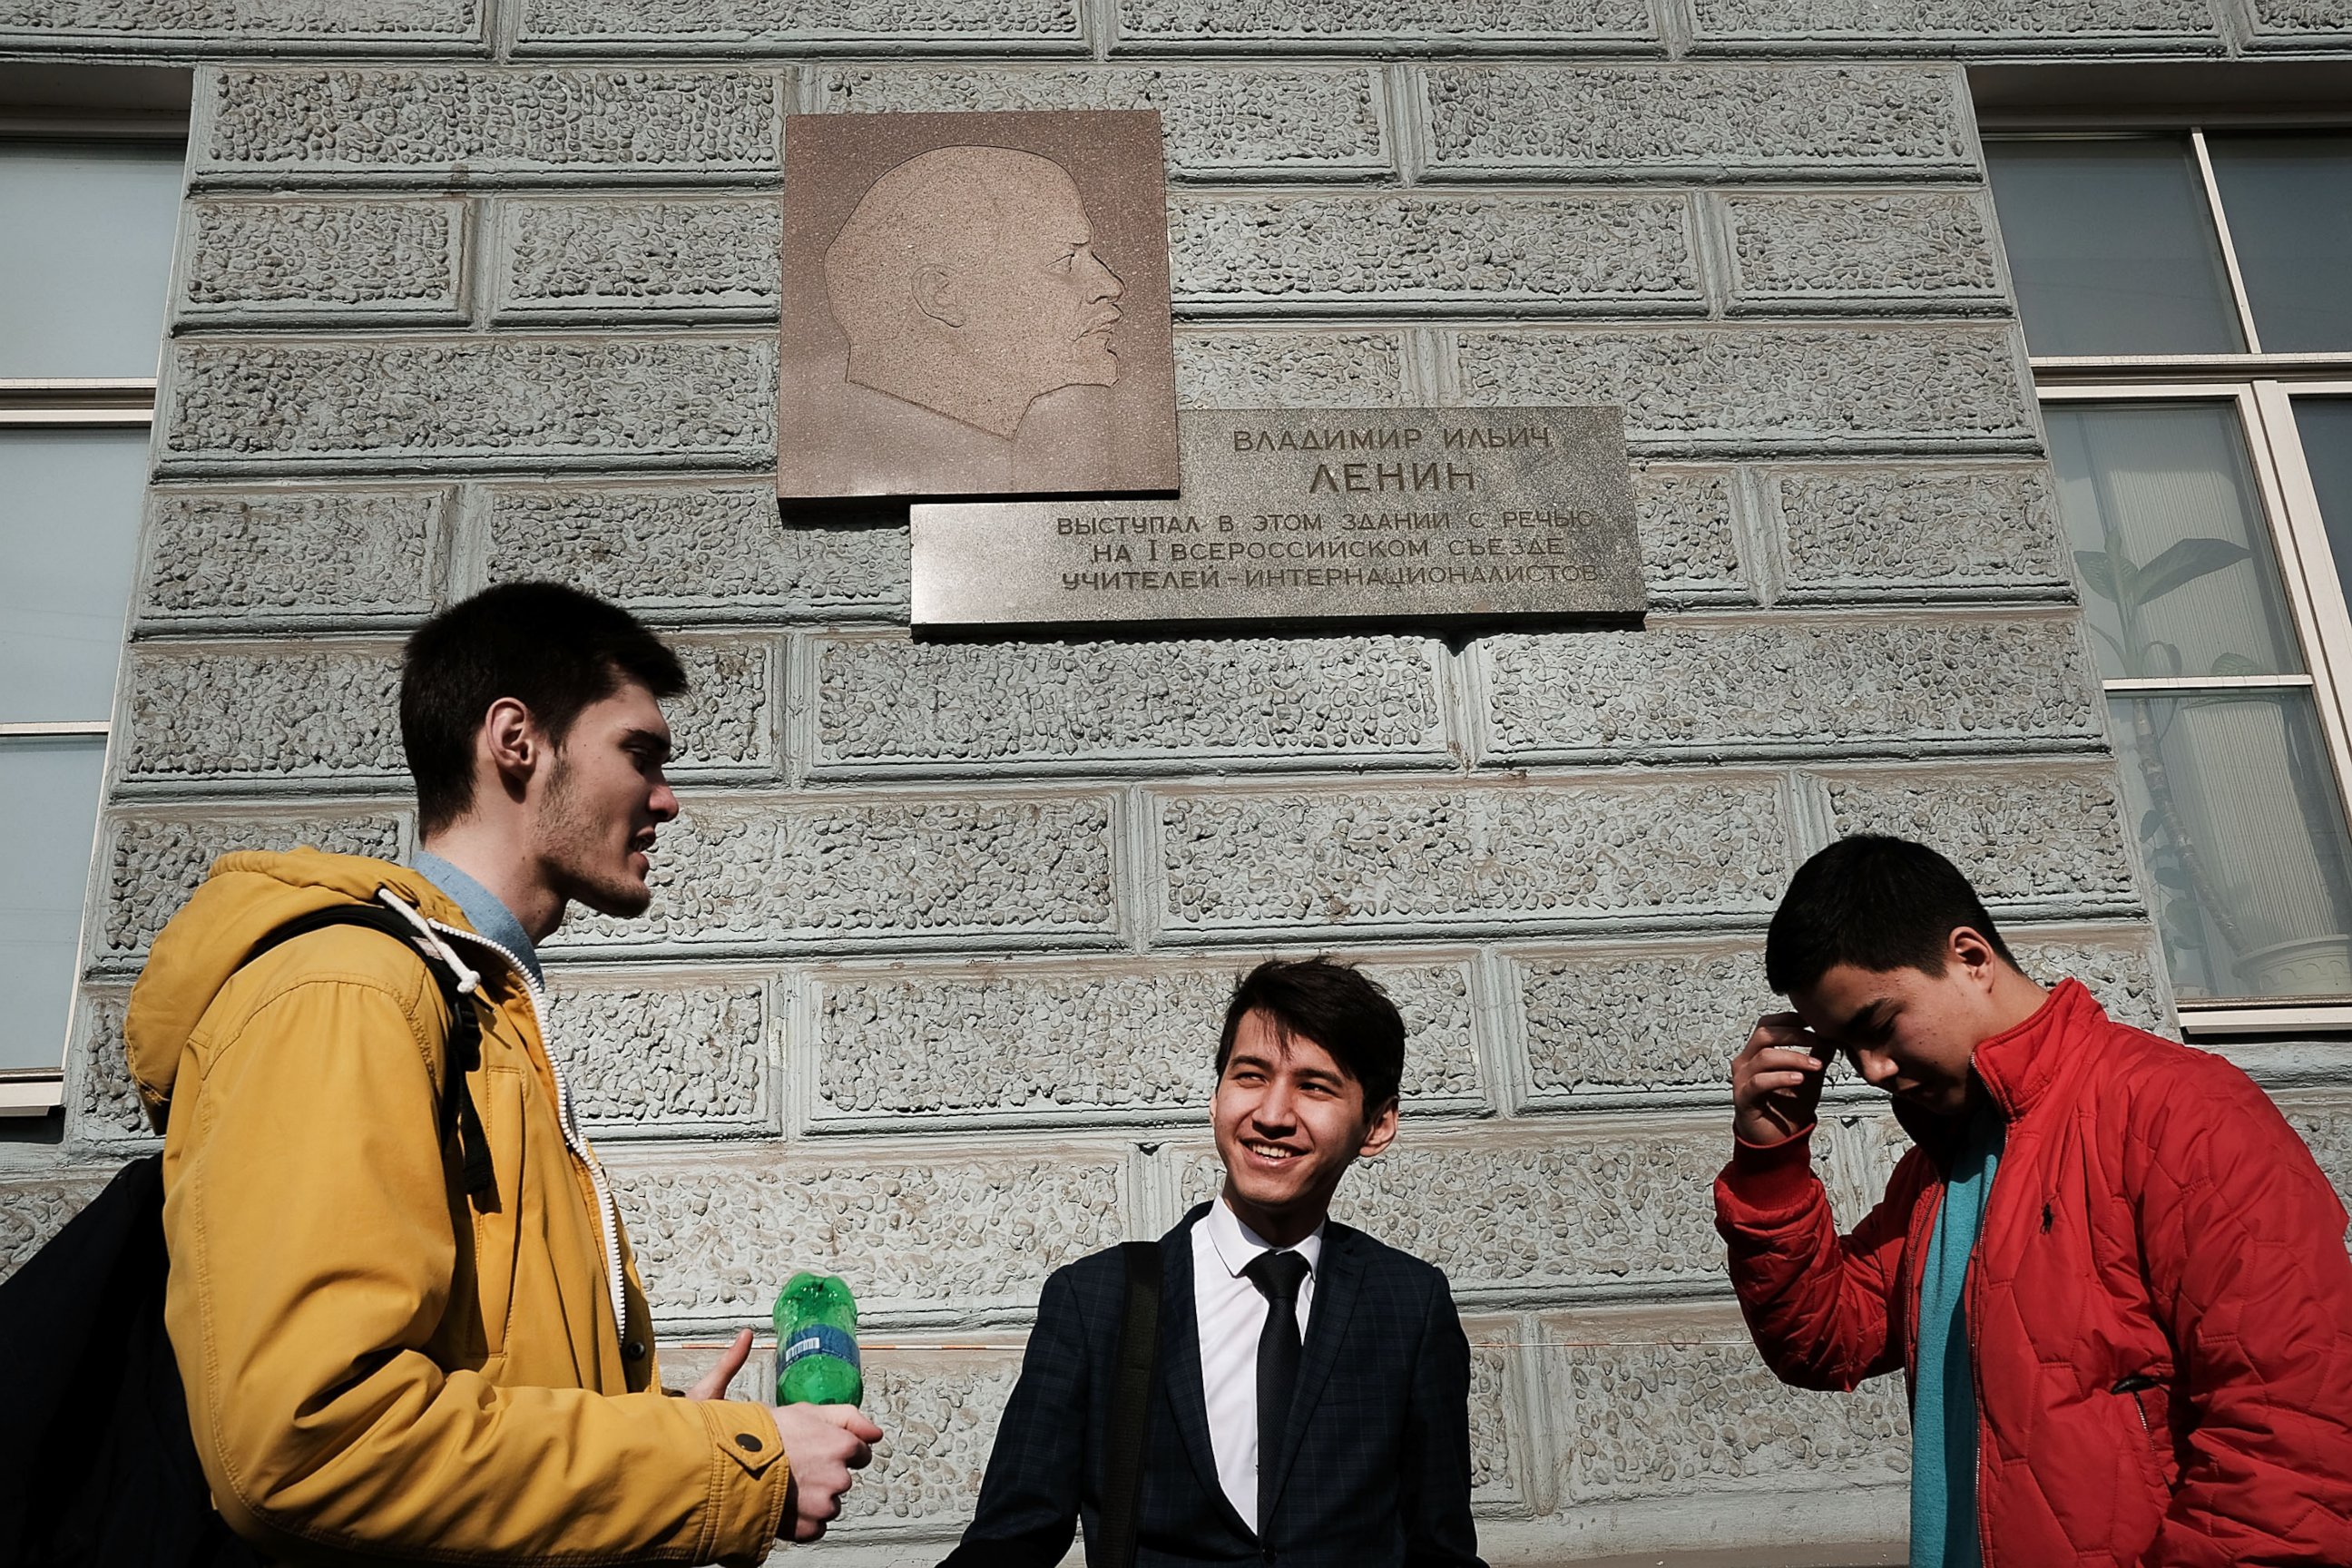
(466, 293)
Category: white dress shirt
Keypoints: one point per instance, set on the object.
(1232, 1314)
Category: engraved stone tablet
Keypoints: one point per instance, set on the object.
(1410, 515)
(975, 304)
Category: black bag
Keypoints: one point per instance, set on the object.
(97, 1468)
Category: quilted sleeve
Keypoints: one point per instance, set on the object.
(1819, 1305)
(2244, 1240)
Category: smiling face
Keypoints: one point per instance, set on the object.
(1288, 1122)
(1912, 1033)
(605, 798)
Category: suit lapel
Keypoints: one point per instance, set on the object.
(1179, 1353)
(1337, 1286)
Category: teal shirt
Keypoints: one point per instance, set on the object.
(1944, 1409)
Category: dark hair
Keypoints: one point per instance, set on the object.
(551, 648)
(1335, 1006)
(1877, 903)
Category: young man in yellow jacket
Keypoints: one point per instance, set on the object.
(378, 1363)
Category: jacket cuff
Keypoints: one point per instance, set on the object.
(1772, 1176)
(750, 1481)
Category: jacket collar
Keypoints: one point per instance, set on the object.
(2018, 1067)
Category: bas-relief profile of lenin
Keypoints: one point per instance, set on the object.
(975, 304)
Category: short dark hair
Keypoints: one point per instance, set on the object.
(1877, 903)
(1337, 1006)
(551, 648)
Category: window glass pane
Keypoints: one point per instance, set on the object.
(2241, 824)
(2111, 248)
(2289, 203)
(52, 784)
(2326, 426)
(85, 256)
(68, 536)
(2177, 574)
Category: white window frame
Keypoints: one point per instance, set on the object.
(2262, 387)
(73, 403)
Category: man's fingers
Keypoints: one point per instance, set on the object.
(850, 1419)
(713, 1383)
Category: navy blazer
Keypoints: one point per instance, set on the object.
(1373, 1471)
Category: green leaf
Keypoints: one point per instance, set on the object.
(2184, 562)
(2172, 657)
(2098, 575)
(2237, 663)
(2151, 824)
(2171, 877)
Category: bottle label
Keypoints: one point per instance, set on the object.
(820, 1339)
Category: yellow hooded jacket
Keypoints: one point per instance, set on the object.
(375, 1366)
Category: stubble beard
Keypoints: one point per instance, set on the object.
(571, 838)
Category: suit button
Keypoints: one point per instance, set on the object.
(634, 1350)
(748, 1443)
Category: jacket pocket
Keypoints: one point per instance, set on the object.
(2148, 1418)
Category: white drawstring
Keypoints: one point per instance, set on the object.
(468, 979)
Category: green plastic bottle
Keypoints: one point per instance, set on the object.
(816, 1343)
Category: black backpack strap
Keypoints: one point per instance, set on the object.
(463, 1050)
(1130, 1405)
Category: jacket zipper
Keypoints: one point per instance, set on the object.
(1968, 1294)
(607, 1211)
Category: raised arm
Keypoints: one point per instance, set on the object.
(314, 1248)
(1820, 1307)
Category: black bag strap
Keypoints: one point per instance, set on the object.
(1130, 1404)
(463, 1052)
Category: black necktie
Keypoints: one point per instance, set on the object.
(1277, 1276)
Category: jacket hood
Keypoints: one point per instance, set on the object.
(245, 896)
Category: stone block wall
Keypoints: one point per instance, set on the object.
(475, 290)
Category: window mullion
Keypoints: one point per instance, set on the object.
(2229, 250)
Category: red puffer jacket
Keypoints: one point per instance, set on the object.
(2159, 1305)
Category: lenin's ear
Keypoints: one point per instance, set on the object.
(936, 296)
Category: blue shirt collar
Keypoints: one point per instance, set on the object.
(482, 908)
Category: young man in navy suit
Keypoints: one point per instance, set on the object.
(1311, 1398)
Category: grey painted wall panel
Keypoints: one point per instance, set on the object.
(1767, 389)
(410, 405)
(1696, 122)
(1420, 255)
(1245, 122)
(434, 126)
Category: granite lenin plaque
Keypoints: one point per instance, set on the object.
(975, 304)
(1413, 515)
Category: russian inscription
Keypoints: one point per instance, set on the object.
(1316, 515)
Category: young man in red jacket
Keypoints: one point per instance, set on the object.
(2111, 1273)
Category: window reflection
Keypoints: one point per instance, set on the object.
(2239, 822)
(2288, 200)
(2110, 247)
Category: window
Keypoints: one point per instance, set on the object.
(88, 210)
(2183, 299)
